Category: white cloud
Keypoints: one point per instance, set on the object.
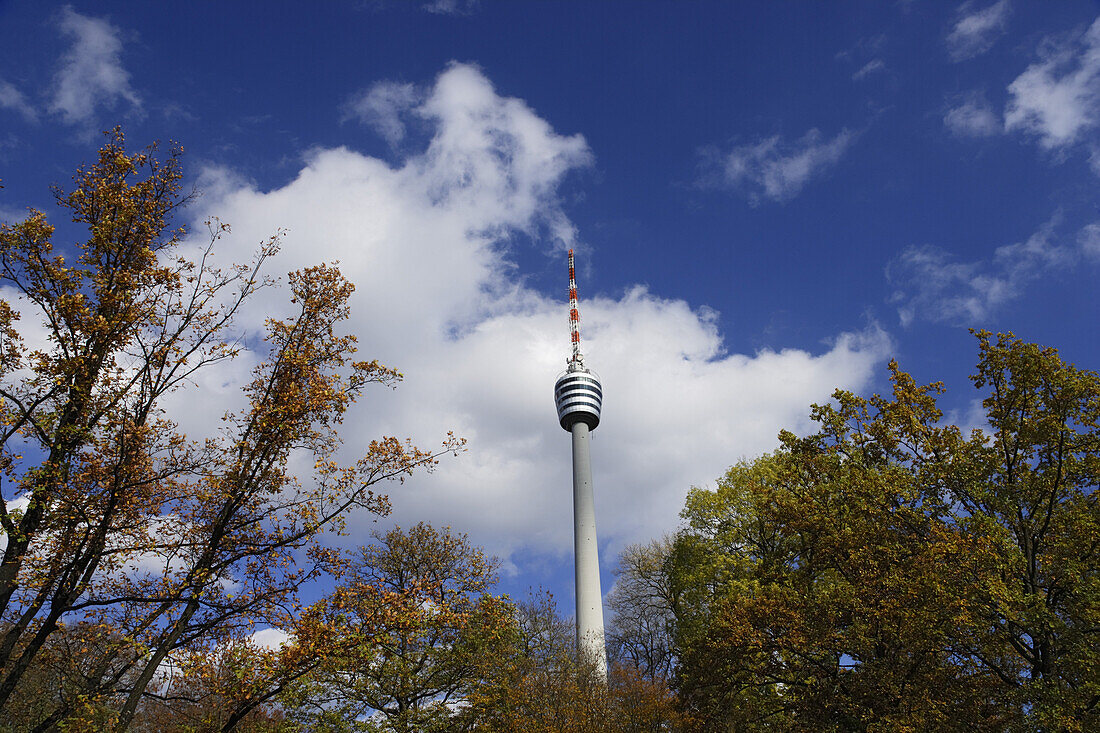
(972, 117)
(270, 638)
(12, 98)
(778, 170)
(869, 68)
(382, 106)
(426, 242)
(91, 74)
(976, 31)
(931, 285)
(1058, 98)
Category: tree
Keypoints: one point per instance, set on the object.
(122, 523)
(640, 634)
(534, 683)
(56, 679)
(415, 624)
(887, 572)
(1030, 488)
(240, 684)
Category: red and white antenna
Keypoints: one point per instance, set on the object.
(574, 316)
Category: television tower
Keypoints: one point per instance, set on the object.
(578, 397)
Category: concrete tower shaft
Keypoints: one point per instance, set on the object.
(586, 554)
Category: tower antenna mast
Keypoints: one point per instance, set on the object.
(574, 316)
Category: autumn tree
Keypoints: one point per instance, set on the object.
(240, 683)
(535, 683)
(56, 678)
(414, 622)
(889, 573)
(1029, 488)
(112, 518)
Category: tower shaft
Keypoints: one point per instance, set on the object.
(590, 635)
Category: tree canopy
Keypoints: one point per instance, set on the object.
(888, 572)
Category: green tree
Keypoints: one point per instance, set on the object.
(1030, 487)
(889, 573)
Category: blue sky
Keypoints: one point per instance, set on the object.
(768, 200)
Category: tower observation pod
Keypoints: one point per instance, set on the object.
(578, 397)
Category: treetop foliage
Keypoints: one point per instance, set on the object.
(888, 572)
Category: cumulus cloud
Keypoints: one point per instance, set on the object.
(91, 73)
(427, 243)
(12, 98)
(976, 31)
(776, 169)
(972, 116)
(931, 284)
(1057, 99)
(382, 106)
